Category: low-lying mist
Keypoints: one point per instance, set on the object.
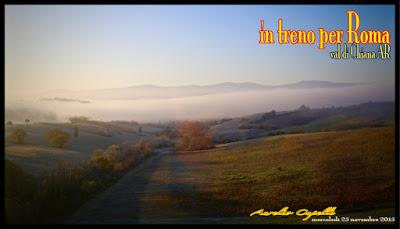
(195, 107)
(20, 114)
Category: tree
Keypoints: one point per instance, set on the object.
(9, 123)
(18, 136)
(140, 130)
(303, 108)
(78, 119)
(27, 121)
(193, 136)
(57, 137)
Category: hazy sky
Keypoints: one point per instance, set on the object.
(89, 47)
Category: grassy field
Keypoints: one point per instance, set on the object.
(36, 154)
(340, 122)
(35, 159)
(353, 170)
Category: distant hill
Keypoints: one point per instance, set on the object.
(152, 91)
(56, 99)
(304, 119)
(317, 84)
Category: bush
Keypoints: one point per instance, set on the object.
(143, 148)
(102, 160)
(89, 187)
(59, 192)
(63, 189)
(18, 136)
(57, 137)
(193, 136)
(20, 188)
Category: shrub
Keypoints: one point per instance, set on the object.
(18, 136)
(20, 188)
(143, 147)
(57, 137)
(59, 192)
(88, 187)
(193, 136)
(62, 189)
(102, 160)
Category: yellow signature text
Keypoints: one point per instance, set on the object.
(329, 211)
(283, 212)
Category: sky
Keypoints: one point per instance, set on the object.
(90, 47)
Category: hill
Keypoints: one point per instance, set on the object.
(37, 154)
(304, 119)
(353, 170)
(153, 91)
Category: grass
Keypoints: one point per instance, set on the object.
(353, 170)
(340, 122)
(36, 154)
(87, 141)
(61, 190)
(35, 159)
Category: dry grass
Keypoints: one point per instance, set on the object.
(354, 170)
(34, 150)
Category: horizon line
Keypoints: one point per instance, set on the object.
(216, 84)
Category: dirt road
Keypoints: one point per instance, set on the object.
(147, 195)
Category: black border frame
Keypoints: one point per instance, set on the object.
(395, 3)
